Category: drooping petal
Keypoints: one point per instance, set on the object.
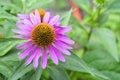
(52, 54)
(46, 17)
(59, 55)
(64, 38)
(62, 50)
(36, 59)
(33, 19)
(54, 20)
(44, 58)
(25, 52)
(23, 16)
(37, 16)
(24, 45)
(62, 44)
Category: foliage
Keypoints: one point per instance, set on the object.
(95, 54)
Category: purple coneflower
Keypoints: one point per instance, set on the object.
(43, 36)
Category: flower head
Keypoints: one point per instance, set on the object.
(43, 36)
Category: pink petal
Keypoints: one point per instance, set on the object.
(30, 57)
(21, 32)
(22, 26)
(64, 38)
(24, 45)
(36, 59)
(28, 23)
(59, 55)
(37, 16)
(25, 52)
(52, 54)
(46, 17)
(62, 49)
(33, 18)
(62, 44)
(54, 20)
(63, 29)
(23, 16)
(22, 36)
(44, 59)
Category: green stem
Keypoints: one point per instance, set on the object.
(92, 26)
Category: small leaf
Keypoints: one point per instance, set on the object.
(58, 73)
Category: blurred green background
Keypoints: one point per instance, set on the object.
(95, 54)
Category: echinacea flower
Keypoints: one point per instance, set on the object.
(43, 36)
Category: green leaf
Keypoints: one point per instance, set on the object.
(5, 47)
(58, 73)
(17, 3)
(21, 70)
(10, 39)
(10, 7)
(114, 6)
(33, 4)
(5, 69)
(6, 28)
(84, 4)
(37, 74)
(11, 56)
(100, 1)
(76, 64)
(106, 39)
(104, 62)
(66, 17)
(113, 75)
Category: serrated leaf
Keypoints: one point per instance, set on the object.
(58, 73)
